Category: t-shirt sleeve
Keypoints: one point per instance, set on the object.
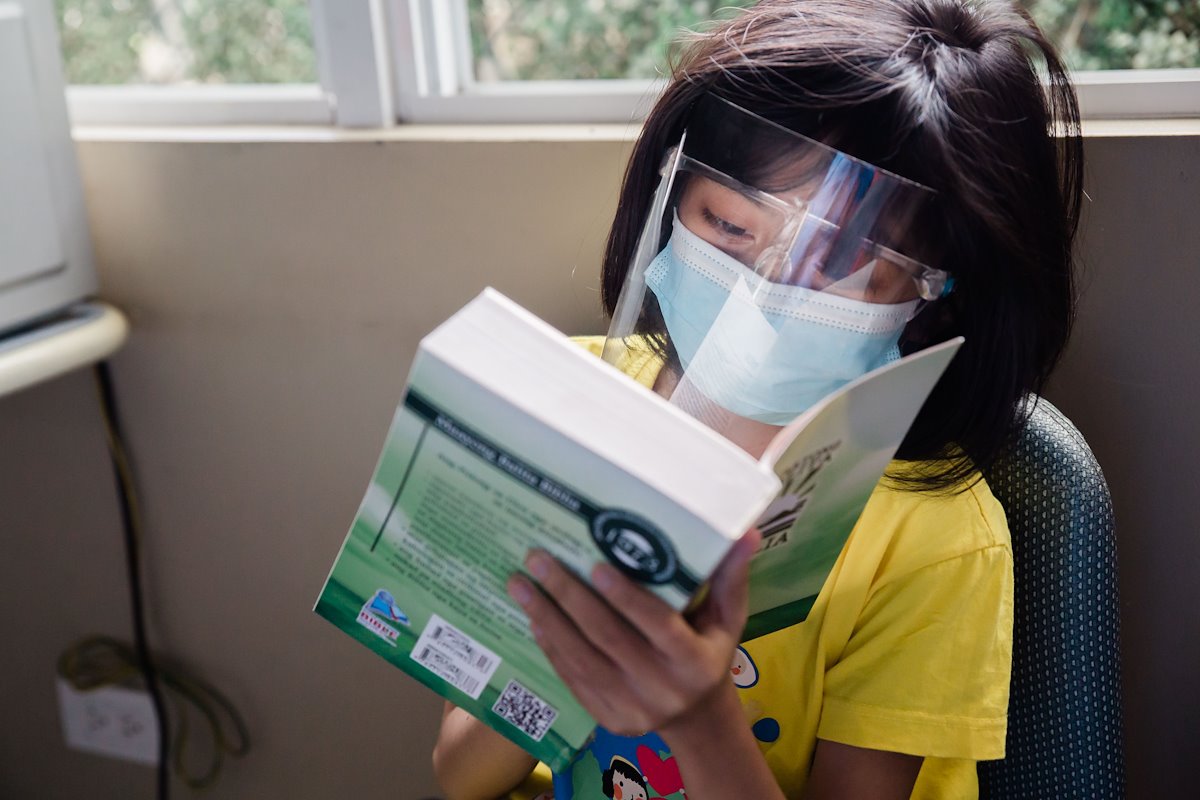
(926, 669)
(593, 344)
(537, 785)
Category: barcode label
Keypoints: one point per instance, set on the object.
(454, 657)
(524, 709)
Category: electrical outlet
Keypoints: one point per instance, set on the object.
(111, 721)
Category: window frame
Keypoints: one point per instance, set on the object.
(382, 62)
(251, 104)
(434, 78)
(1138, 93)
(434, 82)
(353, 87)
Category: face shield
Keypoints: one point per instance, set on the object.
(771, 270)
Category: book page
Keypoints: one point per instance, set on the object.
(829, 463)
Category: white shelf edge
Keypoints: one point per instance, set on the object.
(38, 354)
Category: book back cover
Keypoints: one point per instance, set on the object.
(470, 478)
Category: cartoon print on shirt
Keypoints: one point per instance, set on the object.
(623, 781)
(744, 672)
(743, 669)
(638, 768)
(661, 773)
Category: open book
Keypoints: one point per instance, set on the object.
(510, 437)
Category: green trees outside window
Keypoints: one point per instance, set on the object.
(270, 41)
(186, 41)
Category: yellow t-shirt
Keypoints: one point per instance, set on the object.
(907, 648)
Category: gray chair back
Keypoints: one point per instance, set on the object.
(1064, 718)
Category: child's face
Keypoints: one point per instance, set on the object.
(759, 235)
(759, 230)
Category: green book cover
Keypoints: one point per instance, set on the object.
(511, 437)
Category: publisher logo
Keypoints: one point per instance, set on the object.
(634, 546)
(380, 613)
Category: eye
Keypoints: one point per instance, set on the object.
(724, 226)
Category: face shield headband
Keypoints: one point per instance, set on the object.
(770, 271)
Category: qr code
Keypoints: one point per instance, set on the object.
(524, 709)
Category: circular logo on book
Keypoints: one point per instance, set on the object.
(635, 546)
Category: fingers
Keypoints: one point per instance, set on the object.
(596, 619)
(590, 666)
(661, 626)
(569, 651)
(627, 656)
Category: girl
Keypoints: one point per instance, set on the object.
(823, 185)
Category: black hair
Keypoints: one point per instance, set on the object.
(947, 93)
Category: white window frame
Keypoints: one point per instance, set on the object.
(354, 88)
(255, 104)
(434, 82)
(383, 61)
(435, 79)
(1138, 93)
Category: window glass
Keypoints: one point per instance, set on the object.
(1122, 34)
(566, 39)
(186, 41)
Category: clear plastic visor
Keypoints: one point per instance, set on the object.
(771, 270)
(784, 239)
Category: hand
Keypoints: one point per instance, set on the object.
(631, 660)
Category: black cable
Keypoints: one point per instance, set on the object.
(98, 661)
(125, 493)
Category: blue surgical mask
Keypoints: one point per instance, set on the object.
(762, 350)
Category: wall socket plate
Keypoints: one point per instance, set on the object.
(112, 721)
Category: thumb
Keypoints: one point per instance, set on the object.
(725, 608)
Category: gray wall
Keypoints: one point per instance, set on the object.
(277, 291)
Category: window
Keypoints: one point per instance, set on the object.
(592, 60)
(580, 39)
(1122, 34)
(1132, 58)
(537, 60)
(198, 42)
(367, 62)
(195, 61)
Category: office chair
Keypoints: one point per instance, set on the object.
(1064, 713)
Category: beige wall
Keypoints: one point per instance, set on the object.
(1131, 382)
(277, 291)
